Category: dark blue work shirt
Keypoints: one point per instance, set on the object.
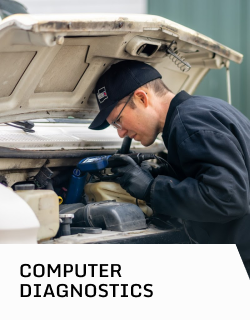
(208, 143)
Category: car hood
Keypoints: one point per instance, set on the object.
(49, 64)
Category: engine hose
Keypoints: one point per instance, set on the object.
(125, 145)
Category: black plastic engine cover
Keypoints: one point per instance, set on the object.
(110, 215)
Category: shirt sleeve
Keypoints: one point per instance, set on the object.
(216, 187)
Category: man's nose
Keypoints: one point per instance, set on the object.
(122, 133)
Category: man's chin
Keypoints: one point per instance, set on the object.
(146, 144)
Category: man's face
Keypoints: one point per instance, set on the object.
(139, 123)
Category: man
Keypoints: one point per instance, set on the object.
(208, 143)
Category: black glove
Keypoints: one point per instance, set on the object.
(132, 178)
(155, 169)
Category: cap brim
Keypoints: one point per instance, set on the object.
(100, 122)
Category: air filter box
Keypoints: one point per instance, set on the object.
(110, 215)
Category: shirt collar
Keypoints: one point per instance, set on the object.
(175, 102)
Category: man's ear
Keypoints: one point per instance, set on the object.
(141, 97)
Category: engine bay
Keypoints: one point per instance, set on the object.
(75, 199)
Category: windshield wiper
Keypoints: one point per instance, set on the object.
(26, 126)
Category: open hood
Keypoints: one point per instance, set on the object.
(49, 64)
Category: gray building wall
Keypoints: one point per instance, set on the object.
(85, 6)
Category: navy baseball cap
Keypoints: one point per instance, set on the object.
(120, 80)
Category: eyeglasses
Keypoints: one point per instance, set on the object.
(114, 123)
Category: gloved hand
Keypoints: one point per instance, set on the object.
(132, 178)
(146, 166)
(155, 170)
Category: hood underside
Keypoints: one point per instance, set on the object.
(49, 64)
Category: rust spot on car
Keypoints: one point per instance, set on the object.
(55, 26)
(170, 28)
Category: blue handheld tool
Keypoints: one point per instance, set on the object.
(92, 164)
(78, 178)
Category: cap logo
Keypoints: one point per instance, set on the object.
(102, 94)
